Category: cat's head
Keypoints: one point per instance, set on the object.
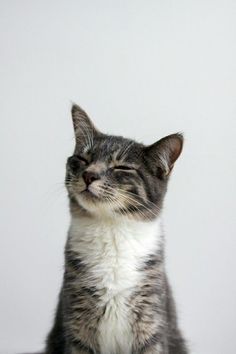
(114, 176)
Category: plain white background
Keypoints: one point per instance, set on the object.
(143, 69)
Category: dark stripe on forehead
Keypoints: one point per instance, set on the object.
(124, 149)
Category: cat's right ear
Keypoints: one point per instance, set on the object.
(83, 127)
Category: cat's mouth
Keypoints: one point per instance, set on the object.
(90, 193)
(93, 200)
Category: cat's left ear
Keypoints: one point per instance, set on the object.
(165, 152)
(83, 126)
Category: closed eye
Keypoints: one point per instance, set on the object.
(124, 168)
(82, 159)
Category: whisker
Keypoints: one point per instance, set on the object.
(134, 203)
(125, 195)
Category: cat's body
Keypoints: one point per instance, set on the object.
(115, 297)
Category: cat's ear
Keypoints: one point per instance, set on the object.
(165, 152)
(83, 126)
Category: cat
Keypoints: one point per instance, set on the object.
(115, 297)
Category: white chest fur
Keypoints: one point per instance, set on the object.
(115, 250)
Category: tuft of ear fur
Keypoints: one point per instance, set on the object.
(165, 152)
(83, 126)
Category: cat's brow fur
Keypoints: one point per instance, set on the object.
(115, 297)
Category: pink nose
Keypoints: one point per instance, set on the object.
(90, 177)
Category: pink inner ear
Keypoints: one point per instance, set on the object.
(175, 146)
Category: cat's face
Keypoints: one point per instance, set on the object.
(114, 176)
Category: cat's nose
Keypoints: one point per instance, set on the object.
(89, 177)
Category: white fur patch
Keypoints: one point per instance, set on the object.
(114, 250)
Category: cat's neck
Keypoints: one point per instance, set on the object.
(124, 234)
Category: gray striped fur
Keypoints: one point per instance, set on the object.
(142, 182)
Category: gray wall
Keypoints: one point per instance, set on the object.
(143, 69)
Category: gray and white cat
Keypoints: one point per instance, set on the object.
(115, 297)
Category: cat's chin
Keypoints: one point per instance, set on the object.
(94, 203)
